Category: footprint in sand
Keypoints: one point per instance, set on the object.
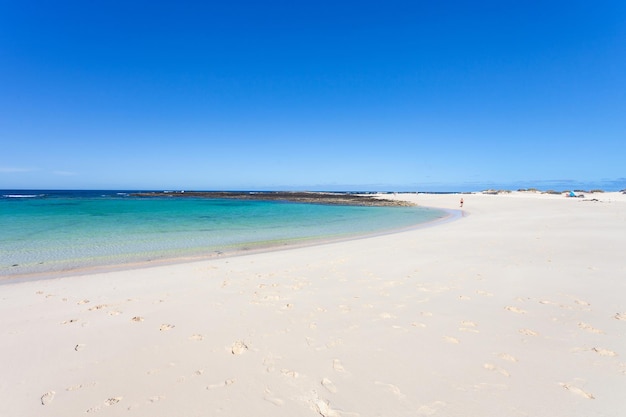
(310, 342)
(337, 366)
(515, 310)
(528, 332)
(429, 410)
(468, 330)
(507, 357)
(322, 407)
(166, 327)
(604, 352)
(484, 293)
(577, 391)
(492, 367)
(451, 339)
(394, 389)
(221, 384)
(113, 401)
(468, 326)
(620, 316)
(196, 337)
(79, 386)
(137, 319)
(47, 397)
(289, 373)
(589, 328)
(269, 364)
(276, 401)
(328, 384)
(109, 402)
(333, 343)
(269, 397)
(238, 348)
(156, 398)
(98, 307)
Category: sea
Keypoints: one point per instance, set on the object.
(56, 231)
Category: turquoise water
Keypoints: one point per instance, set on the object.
(46, 232)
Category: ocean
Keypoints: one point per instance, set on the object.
(44, 231)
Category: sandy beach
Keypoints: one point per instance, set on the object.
(516, 308)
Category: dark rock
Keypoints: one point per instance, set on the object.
(296, 196)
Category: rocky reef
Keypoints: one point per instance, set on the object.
(291, 196)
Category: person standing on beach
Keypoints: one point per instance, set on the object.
(461, 202)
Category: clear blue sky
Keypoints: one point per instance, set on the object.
(399, 95)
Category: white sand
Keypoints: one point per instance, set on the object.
(516, 309)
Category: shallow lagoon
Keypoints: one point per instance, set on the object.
(47, 232)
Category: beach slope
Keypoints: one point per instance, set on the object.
(516, 308)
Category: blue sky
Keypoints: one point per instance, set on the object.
(397, 95)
